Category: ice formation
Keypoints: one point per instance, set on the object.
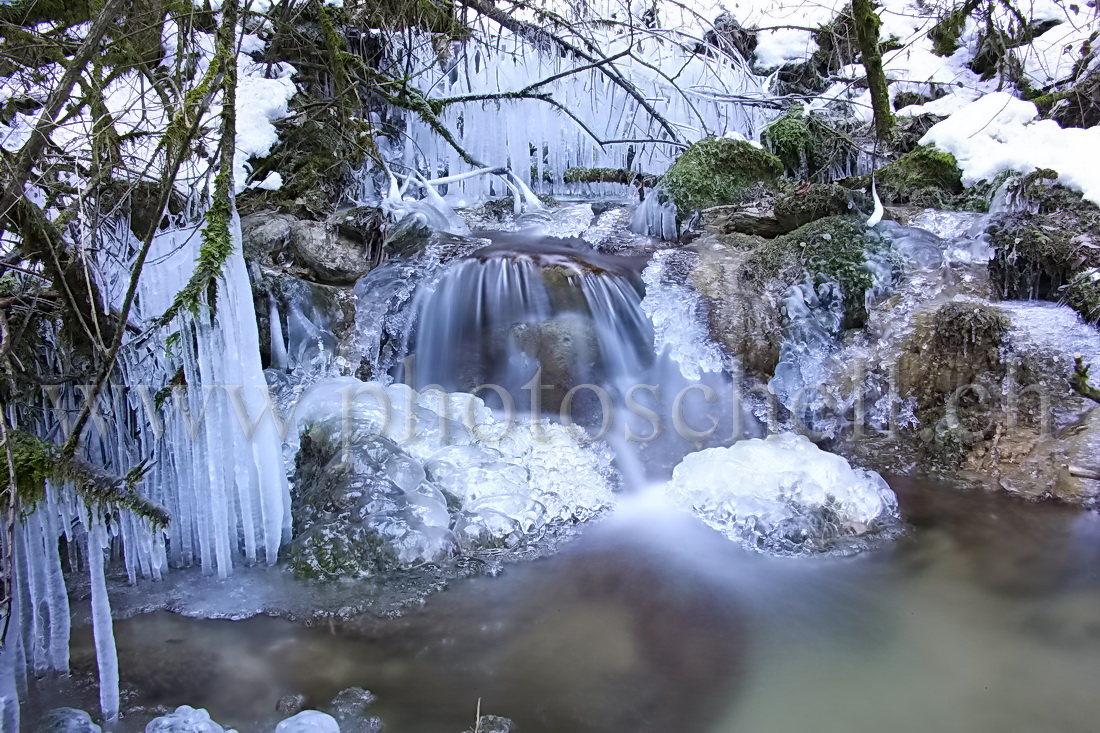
(185, 719)
(423, 476)
(781, 494)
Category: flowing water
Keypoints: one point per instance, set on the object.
(984, 616)
(911, 606)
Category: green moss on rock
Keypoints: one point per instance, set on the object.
(926, 177)
(1051, 252)
(718, 172)
(835, 247)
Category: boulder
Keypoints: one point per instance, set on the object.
(337, 251)
(925, 176)
(719, 171)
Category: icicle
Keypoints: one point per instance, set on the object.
(102, 624)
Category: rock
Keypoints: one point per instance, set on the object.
(815, 201)
(329, 256)
(744, 311)
(265, 234)
(493, 724)
(1051, 254)
(836, 247)
(926, 176)
(336, 251)
(1078, 106)
(349, 708)
(718, 172)
(66, 720)
(185, 719)
(756, 218)
(309, 721)
(290, 704)
(565, 348)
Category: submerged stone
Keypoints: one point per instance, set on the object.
(66, 720)
(493, 724)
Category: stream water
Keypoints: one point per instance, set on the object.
(954, 610)
(983, 616)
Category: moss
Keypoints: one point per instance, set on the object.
(717, 172)
(954, 346)
(924, 177)
(604, 175)
(947, 32)
(835, 247)
(836, 42)
(34, 461)
(1050, 253)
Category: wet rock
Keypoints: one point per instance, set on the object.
(329, 256)
(336, 251)
(66, 720)
(493, 724)
(309, 721)
(185, 719)
(290, 704)
(565, 348)
(718, 172)
(756, 218)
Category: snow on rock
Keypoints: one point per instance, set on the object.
(309, 721)
(781, 494)
(1000, 133)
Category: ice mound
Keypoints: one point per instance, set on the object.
(781, 494)
(185, 719)
(390, 478)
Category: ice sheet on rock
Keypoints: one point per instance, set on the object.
(309, 721)
(433, 474)
(678, 316)
(781, 494)
(1053, 333)
(813, 312)
(185, 719)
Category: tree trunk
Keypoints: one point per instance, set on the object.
(867, 24)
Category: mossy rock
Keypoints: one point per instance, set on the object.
(835, 247)
(605, 175)
(1052, 252)
(952, 347)
(797, 208)
(718, 172)
(808, 145)
(925, 177)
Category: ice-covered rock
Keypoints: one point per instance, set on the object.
(185, 719)
(391, 478)
(309, 721)
(781, 494)
(66, 720)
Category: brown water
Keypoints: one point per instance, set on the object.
(984, 616)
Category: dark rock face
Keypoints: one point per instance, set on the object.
(336, 251)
